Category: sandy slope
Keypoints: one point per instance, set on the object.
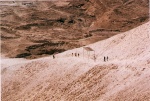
(125, 77)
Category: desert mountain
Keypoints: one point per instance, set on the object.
(125, 76)
(39, 28)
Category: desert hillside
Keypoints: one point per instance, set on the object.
(124, 77)
(35, 29)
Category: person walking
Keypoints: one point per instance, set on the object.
(53, 56)
(94, 58)
(78, 54)
(104, 58)
(107, 58)
(72, 54)
(75, 54)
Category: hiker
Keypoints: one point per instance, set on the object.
(78, 54)
(104, 58)
(94, 58)
(107, 58)
(75, 54)
(53, 56)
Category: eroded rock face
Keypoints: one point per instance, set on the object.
(119, 15)
(75, 22)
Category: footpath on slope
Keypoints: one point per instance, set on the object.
(72, 78)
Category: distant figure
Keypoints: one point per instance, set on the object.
(107, 58)
(53, 56)
(72, 54)
(104, 58)
(78, 54)
(75, 54)
(94, 58)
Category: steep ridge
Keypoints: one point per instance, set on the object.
(124, 77)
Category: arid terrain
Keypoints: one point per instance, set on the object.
(124, 77)
(37, 29)
(56, 50)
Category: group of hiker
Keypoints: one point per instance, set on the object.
(76, 54)
(105, 58)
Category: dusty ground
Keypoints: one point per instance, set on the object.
(44, 28)
(125, 77)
